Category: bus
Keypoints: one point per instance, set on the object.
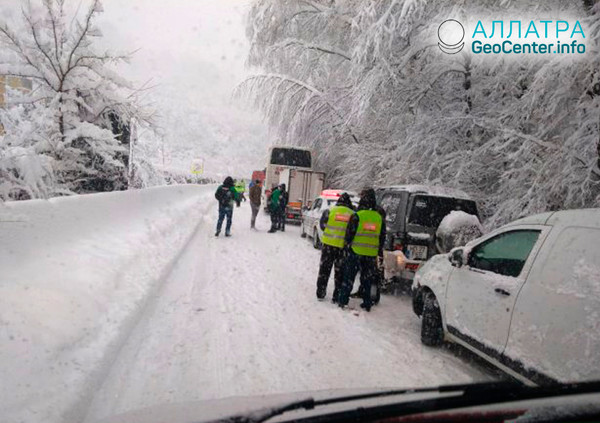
(281, 158)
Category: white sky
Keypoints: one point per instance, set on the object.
(195, 52)
(197, 43)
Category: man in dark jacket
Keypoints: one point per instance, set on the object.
(364, 239)
(255, 193)
(333, 222)
(283, 202)
(226, 195)
(274, 208)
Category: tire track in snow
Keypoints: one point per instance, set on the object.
(243, 313)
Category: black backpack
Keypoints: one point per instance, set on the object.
(224, 196)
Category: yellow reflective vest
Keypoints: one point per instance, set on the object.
(366, 239)
(334, 232)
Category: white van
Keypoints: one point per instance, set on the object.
(525, 297)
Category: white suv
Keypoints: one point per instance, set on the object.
(525, 297)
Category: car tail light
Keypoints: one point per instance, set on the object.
(413, 266)
(291, 216)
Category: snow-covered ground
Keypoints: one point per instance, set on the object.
(120, 327)
(74, 274)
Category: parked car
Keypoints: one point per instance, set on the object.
(525, 297)
(413, 215)
(312, 213)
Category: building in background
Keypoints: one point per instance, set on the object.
(8, 84)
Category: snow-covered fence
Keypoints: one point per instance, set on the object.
(75, 272)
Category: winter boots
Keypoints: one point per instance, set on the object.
(321, 292)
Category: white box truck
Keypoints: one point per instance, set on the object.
(302, 187)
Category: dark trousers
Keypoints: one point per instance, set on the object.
(368, 276)
(223, 213)
(255, 209)
(330, 257)
(274, 219)
(281, 219)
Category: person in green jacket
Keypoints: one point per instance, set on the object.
(240, 187)
(274, 205)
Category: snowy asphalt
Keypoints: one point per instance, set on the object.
(238, 317)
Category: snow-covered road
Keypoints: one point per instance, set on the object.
(238, 316)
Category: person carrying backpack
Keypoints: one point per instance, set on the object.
(226, 195)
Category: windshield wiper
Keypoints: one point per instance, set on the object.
(311, 403)
(262, 416)
(466, 395)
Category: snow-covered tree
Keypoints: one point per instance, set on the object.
(72, 128)
(364, 83)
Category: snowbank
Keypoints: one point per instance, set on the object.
(74, 274)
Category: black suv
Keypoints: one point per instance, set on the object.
(413, 214)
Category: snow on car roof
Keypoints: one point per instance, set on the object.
(581, 217)
(430, 190)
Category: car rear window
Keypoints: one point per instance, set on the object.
(429, 210)
(391, 204)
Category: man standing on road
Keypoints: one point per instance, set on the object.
(274, 208)
(283, 202)
(240, 187)
(226, 195)
(333, 222)
(363, 242)
(255, 193)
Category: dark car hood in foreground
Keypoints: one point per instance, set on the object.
(210, 410)
(503, 401)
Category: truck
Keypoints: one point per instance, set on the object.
(293, 166)
(259, 175)
(302, 186)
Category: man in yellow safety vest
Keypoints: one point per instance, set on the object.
(333, 223)
(363, 243)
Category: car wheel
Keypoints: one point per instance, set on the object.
(316, 241)
(432, 332)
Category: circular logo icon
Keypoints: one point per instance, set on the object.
(451, 34)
